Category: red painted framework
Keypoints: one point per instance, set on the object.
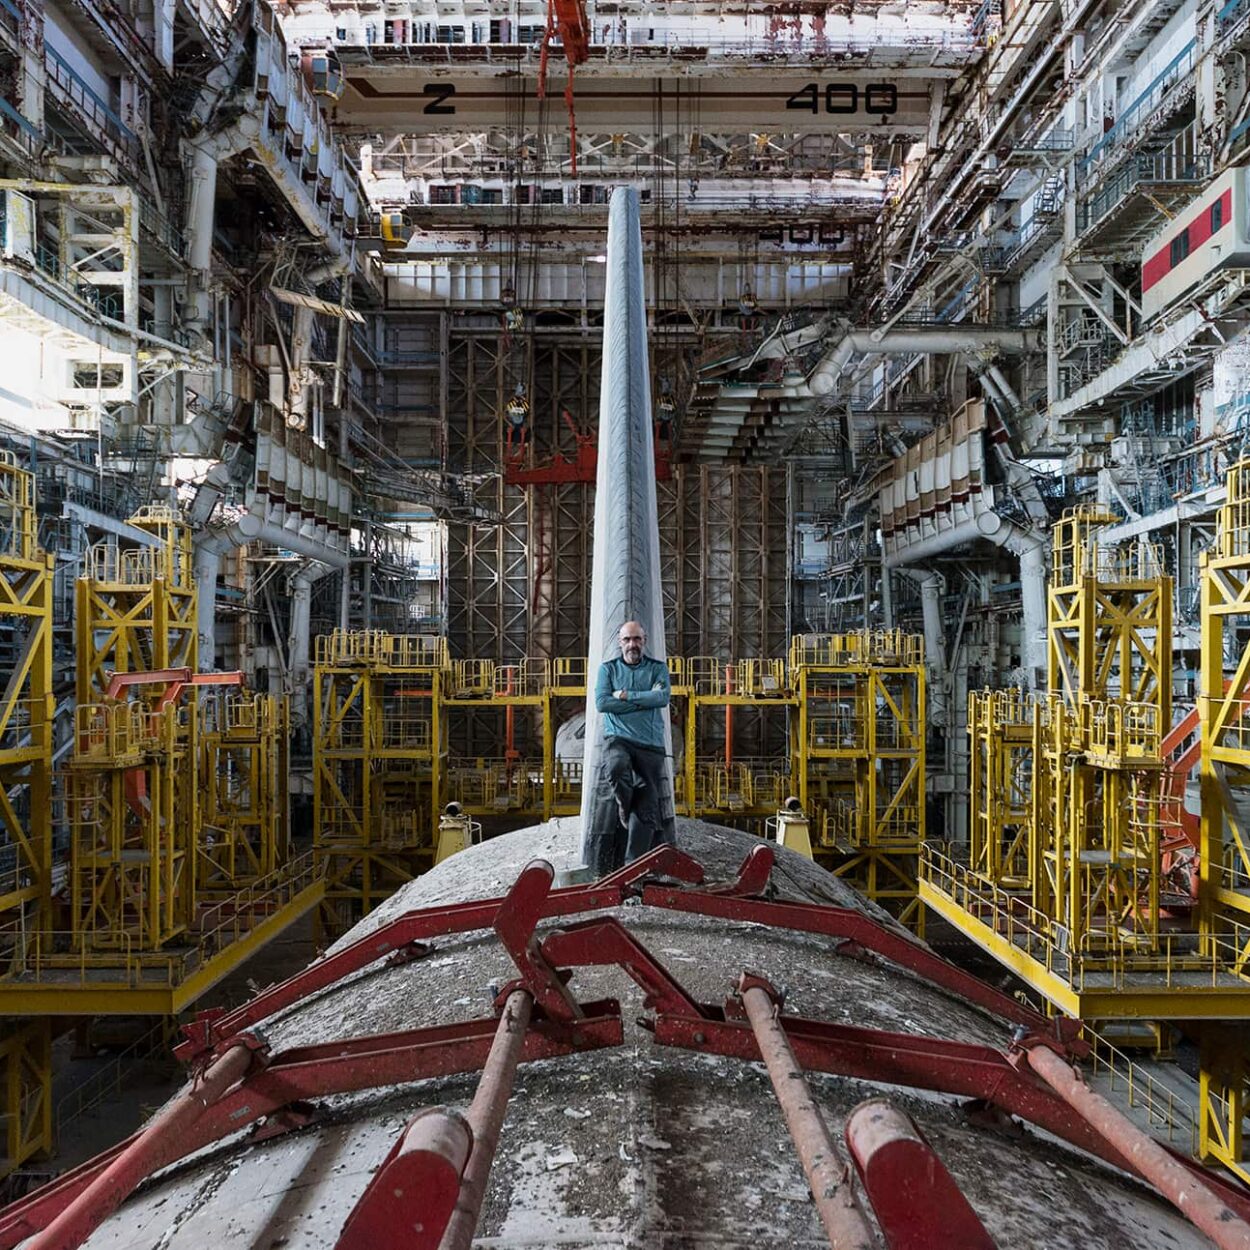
(275, 1095)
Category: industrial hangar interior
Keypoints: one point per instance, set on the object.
(375, 373)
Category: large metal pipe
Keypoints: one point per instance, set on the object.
(485, 1117)
(160, 1143)
(206, 566)
(1178, 1184)
(251, 528)
(824, 1167)
(938, 340)
(299, 640)
(932, 586)
(1029, 547)
(625, 574)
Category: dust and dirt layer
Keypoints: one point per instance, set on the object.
(641, 1147)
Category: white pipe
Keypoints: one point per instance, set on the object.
(938, 340)
(206, 566)
(996, 376)
(931, 587)
(299, 643)
(1030, 547)
(251, 528)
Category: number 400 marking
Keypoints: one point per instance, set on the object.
(879, 98)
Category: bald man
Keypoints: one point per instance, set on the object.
(630, 693)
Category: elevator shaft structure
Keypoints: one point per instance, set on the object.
(625, 574)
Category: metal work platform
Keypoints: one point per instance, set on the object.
(390, 708)
(1064, 879)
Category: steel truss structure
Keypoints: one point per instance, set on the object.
(1224, 847)
(135, 606)
(517, 580)
(858, 743)
(1000, 783)
(245, 744)
(26, 791)
(159, 906)
(378, 750)
(444, 1169)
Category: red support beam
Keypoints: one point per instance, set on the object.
(961, 1068)
(915, 1199)
(213, 1029)
(855, 926)
(309, 1072)
(1202, 1206)
(486, 1115)
(408, 1202)
(824, 1167)
(114, 1182)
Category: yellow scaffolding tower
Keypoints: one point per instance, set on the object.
(135, 607)
(729, 786)
(132, 790)
(385, 705)
(1097, 797)
(147, 935)
(1000, 780)
(133, 804)
(858, 750)
(245, 742)
(379, 749)
(1224, 849)
(1079, 919)
(1109, 617)
(26, 713)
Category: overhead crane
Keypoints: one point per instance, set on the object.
(391, 709)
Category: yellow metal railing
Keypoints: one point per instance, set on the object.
(841, 731)
(108, 732)
(496, 784)
(1234, 523)
(1168, 1116)
(1126, 731)
(18, 525)
(472, 679)
(569, 672)
(885, 647)
(997, 710)
(377, 649)
(528, 679)
(67, 957)
(1099, 962)
(1229, 721)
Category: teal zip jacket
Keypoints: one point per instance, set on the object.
(638, 718)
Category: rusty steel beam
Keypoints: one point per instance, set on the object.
(1178, 1184)
(824, 1167)
(407, 1204)
(485, 1117)
(145, 1152)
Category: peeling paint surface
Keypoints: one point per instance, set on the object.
(641, 1147)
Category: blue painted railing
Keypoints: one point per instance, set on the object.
(86, 97)
(1131, 117)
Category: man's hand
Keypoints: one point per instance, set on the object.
(623, 695)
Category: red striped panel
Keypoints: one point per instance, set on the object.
(1159, 265)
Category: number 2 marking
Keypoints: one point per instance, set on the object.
(441, 92)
